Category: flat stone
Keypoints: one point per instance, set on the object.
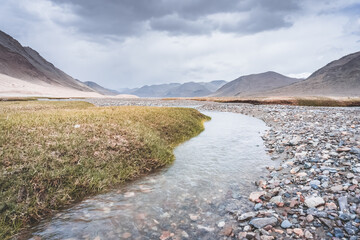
(193, 217)
(310, 218)
(257, 206)
(301, 174)
(337, 188)
(331, 206)
(350, 229)
(344, 217)
(246, 216)
(286, 224)
(299, 232)
(343, 204)
(350, 175)
(343, 149)
(307, 165)
(227, 231)
(265, 237)
(276, 200)
(338, 233)
(315, 182)
(313, 202)
(295, 170)
(254, 196)
(262, 222)
(308, 235)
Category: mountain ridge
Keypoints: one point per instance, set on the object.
(253, 84)
(340, 77)
(187, 89)
(27, 64)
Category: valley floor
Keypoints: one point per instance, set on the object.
(314, 193)
(56, 153)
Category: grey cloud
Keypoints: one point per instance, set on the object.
(176, 25)
(264, 21)
(129, 17)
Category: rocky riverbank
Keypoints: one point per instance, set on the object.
(314, 192)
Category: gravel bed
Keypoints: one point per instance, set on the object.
(314, 192)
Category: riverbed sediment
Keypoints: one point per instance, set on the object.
(314, 192)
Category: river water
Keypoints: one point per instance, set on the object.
(212, 175)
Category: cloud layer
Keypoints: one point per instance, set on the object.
(126, 43)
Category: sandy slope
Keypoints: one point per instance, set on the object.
(11, 87)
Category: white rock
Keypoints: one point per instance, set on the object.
(313, 201)
(221, 224)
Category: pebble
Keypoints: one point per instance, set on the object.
(193, 217)
(254, 196)
(299, 232)
(309, 218)
(286, 224)
(262, 222)
(313, 201)
(221, 224)
(246, 216)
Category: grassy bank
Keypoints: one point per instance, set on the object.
(295, 101)
(55, 153)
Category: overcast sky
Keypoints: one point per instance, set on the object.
(130, 43)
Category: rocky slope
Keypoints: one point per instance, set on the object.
(26, 64)
(254, 84)
(338, 78)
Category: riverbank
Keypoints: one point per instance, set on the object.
(56, 153)
(314, 193)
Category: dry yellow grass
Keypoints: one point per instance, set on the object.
(296, 101)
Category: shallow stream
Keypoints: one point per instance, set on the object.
(213, 174)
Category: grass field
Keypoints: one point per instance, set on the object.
(53, 154)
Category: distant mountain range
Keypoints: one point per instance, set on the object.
(24, 72)
(188, 89)
(254, 84)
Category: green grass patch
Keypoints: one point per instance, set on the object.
(53, 154)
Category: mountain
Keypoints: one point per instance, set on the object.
(254, 84)
(97, 88)
(189, 89)
(155, 90)
(213, 86)
(27, 65)
(338, 78)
